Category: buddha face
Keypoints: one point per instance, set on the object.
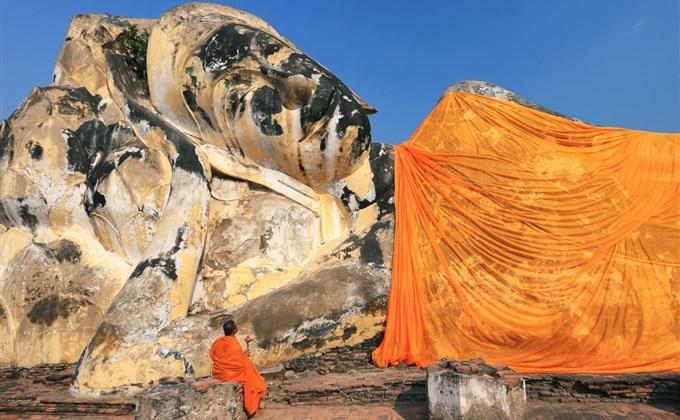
(278, 107)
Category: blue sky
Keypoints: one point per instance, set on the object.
(609, 62)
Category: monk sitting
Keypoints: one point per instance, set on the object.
(231, 363)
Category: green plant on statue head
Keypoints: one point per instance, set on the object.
(134, 42)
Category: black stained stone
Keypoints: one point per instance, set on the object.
(6, 142)
(266, 103)
(27, 218)
(166, 265)
(165, 262)
(186, 158)
(190, 99)
(89, 148)
(36, 151)
(381, 159)
(67, 251)
(48, 309)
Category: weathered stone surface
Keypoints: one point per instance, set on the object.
(494, 91)
(56, 277)
(473, 390)
(205, 399)
(83, 60)
(368, 194)
(256, 243)
(343, 359)
(339, 300)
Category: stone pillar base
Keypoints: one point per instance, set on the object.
(473, 390)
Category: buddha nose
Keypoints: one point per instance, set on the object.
(321, 104)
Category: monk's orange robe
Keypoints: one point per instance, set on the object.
(230, 363)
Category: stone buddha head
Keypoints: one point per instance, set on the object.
(235, 83)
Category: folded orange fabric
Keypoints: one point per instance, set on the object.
(544, 243)
(230, 363)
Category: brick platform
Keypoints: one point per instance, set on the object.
(365, 387)
(537, 411)
(42, 392)
(337, 360)
(657, 388)
(343, 412)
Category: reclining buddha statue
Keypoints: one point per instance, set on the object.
(162, 186)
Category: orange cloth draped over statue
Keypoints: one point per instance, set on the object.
(230, 363)
(533, 240)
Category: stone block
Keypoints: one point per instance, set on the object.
(474, 390)
(208, 399)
